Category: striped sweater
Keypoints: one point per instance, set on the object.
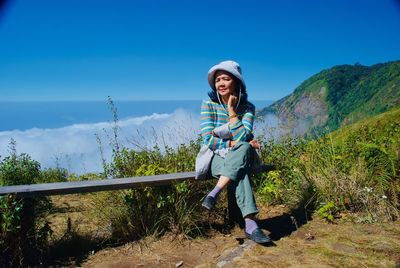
(214, 115)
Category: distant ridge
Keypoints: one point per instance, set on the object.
(338, 96)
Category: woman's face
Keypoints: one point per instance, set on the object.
(224, 83)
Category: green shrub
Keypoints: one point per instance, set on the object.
(18, 169)
(23, 230)
(285, 184)
(52, 175)
(135, 213)
(355, 170)
(327, 211)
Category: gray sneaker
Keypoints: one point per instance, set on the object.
(209, 202)
(258, 236)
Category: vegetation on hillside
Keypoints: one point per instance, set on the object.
(357, 172)
(339, 96)
(356, 169)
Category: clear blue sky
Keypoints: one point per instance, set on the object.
(136, 50)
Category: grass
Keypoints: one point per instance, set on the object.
(357, 169)
(344, 244)
(380, 120)
(331, 245)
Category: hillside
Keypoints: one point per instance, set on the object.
(381, 123)
(339, 96)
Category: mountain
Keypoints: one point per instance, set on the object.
(339, 96)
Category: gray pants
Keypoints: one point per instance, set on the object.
(237, 167)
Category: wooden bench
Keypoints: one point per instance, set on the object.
(62, 188)
(73, 187)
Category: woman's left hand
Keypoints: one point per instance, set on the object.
(255, 144)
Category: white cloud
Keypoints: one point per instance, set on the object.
(269, 127)
(75, 147)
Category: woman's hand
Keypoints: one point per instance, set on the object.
(255, 144)
(232, 104)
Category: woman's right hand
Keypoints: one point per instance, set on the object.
(232, 143)
(255, 144)
(232, 104)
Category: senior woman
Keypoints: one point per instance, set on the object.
(228, 149)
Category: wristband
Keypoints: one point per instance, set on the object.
(233, 116)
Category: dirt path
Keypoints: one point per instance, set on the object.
(320, 244)
(297, 243)
(316, 244)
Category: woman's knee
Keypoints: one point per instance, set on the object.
(245, 146)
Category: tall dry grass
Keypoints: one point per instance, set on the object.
(356, 171)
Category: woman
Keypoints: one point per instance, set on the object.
(226, 129)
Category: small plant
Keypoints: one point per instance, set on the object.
(327, 211)
(271, 187)
(10, 209)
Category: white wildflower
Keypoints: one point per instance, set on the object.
(367, 189)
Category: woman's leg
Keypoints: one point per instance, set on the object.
(238, 161)
(247, 205)
(244, 196)
(217, 164)
(223, 181)
(229, 169)
(238, 169)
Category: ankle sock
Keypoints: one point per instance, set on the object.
(215, 192)
(251, 225)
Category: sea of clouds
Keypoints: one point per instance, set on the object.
(77, 147)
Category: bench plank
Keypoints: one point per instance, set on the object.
(94, 185)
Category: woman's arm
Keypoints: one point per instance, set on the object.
(242, 130)
(207, 123)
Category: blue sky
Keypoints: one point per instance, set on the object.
(146, 50)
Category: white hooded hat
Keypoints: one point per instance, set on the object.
(228, 66)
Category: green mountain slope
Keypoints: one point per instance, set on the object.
(339, 96)
(383, 123)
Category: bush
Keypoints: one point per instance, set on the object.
(52, 175)
(357, 172)
(135, 213)
(23, 232)
(285, 184)
(18, 169)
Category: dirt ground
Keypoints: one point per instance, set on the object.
(296, 243)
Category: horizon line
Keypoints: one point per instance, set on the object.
(119, 100)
